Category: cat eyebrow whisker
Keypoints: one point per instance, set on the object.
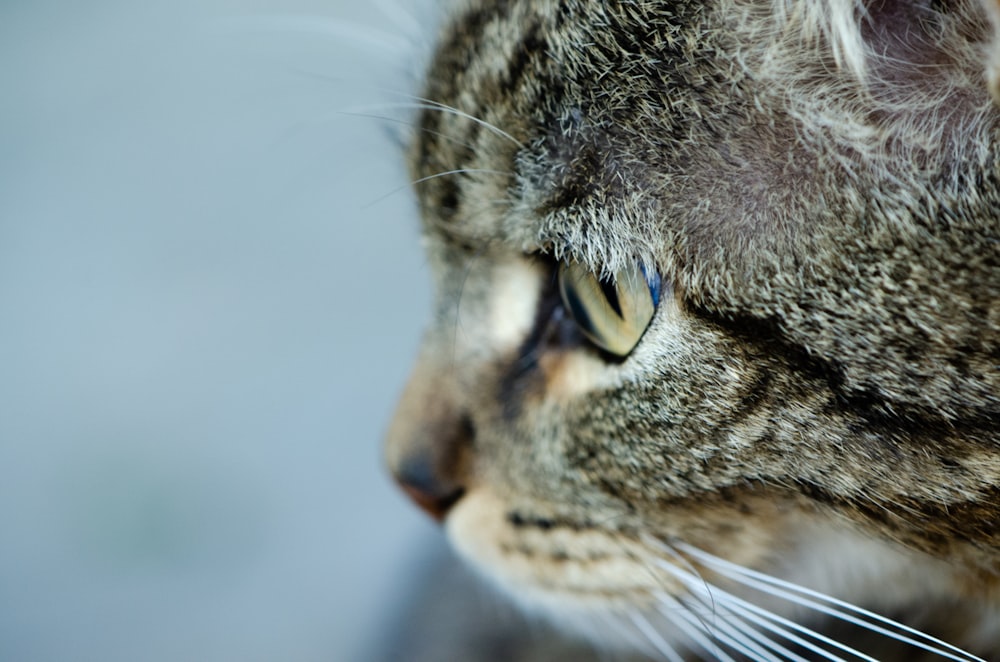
(420, 103)
(412, 125)
(459, 171)
(451, 109)
(446, 173)
(840, 609)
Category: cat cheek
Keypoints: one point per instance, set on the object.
(570, 374)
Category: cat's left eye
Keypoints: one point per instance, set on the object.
(612, 313)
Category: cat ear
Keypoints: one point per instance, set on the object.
(930, 44)
(992, 8)
(922, 46)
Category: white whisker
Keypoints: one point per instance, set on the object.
(766, 641)
(787, 590)
(412, 125)
(681, 560)
(751, 642)
(495, 129)
(459, 171)
(446, 173)
(770, 622)
(647, 630)
(419, 103)
(743, 607)
(416, 102)
(693, 626)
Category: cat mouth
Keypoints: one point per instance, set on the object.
(551, 564)
(661, 596)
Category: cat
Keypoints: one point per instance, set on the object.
(714, 365)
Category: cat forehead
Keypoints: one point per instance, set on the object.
(606, 234)
(567, 187)
(521, 144)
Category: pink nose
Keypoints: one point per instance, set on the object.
(428, 485)
(428, 444)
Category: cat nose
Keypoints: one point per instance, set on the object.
(427, 444)
(428, 476)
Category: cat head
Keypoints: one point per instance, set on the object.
(716, 283)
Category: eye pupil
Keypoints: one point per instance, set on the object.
(577, 309)
(610, 291)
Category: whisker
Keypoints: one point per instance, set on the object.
(655, 638)
(419, 103)
(745, 638)
(693, 627)
(741, 624)
(787, 590)
(492, 127)
(791, 597)
(764, 618)
(412, 125)
(766, 641)
(446, 173)
(711, 613)
(683, 561)
(743, 607)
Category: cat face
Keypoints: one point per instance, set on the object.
(808, 196)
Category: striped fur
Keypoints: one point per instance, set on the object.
(818, 182)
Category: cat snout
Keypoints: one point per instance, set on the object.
(427, 444)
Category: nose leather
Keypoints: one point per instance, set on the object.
(427, 486)
(427, 444)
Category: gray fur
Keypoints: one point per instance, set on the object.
(819, 185)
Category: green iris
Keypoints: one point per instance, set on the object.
(612, 313)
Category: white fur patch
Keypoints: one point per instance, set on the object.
(513, 304)
(833, 21)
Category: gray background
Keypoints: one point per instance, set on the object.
(210, 292)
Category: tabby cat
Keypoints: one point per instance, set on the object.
(714, 367)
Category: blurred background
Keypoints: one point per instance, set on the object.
(210, 293)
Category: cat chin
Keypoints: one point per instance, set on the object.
(586, 605)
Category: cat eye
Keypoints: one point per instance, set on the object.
(612, 313)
